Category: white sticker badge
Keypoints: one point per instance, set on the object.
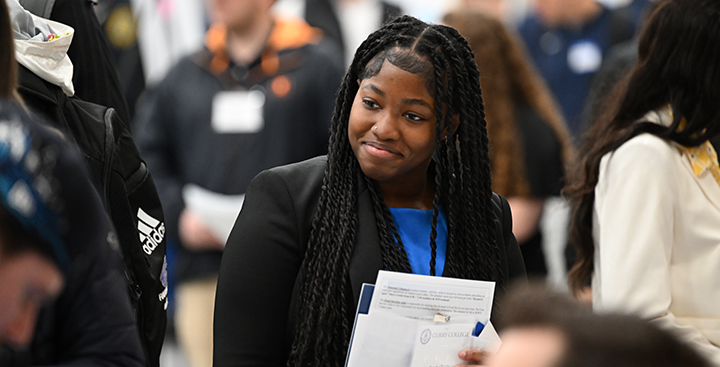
(584, 57)
(236, 112)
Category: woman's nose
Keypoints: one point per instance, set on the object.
(385, 128)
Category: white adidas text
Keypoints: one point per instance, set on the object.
(152, 231)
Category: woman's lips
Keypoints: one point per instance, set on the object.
(380, 150)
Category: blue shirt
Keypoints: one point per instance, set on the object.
(414, 227)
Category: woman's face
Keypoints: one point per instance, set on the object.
(27, 281)
(392, 126)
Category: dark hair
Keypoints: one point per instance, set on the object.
(679, 66)
(509, 82)
(8, 66)
(593, 340)
(14, 238)
(461, 173)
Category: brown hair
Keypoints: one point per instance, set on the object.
(8, 66)
(508, 81)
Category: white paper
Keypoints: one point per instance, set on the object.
(217, 211)
(387, 342)
(438, 345)
(403, 303)
(359, 332)
(488, 339)
(421, 297)
(361, 321)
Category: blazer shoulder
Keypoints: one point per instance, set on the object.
(499, 202)
(310, 169)
(648, 146)
(645, 157)
(503, 216)
(303, 180)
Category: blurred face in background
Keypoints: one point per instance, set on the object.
(238, 15)
(495, 8)
(27, 281)
(552, 12)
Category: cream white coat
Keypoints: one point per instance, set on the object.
(657, 233)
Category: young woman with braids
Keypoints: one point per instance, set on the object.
(646, 198)
(405, 187)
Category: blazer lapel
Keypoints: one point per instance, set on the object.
(706, 182)
(710, 187)
(366, 258)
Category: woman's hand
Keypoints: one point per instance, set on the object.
(473, 357)
(526, 214)
(195, 235)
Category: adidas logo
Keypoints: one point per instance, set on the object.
(152, 231)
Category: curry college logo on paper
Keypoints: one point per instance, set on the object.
(152, 231)
(425, 336)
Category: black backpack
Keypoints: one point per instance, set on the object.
(127, 189)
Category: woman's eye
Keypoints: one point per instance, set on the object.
(370, 104)
(413, 117)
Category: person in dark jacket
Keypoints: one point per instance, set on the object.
(405, 187)
(48, 198)
(45, 85)
(567, 40)
(30, 267)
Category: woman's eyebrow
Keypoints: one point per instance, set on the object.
(414, 101)
(410, 101)
(374, 88)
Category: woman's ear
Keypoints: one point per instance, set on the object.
(455, 124)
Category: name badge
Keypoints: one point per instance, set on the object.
(235, 112)
(584, 57)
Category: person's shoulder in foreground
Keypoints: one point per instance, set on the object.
(46, 188)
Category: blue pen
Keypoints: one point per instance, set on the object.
(478, 329)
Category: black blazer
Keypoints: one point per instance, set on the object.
(256, 298)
